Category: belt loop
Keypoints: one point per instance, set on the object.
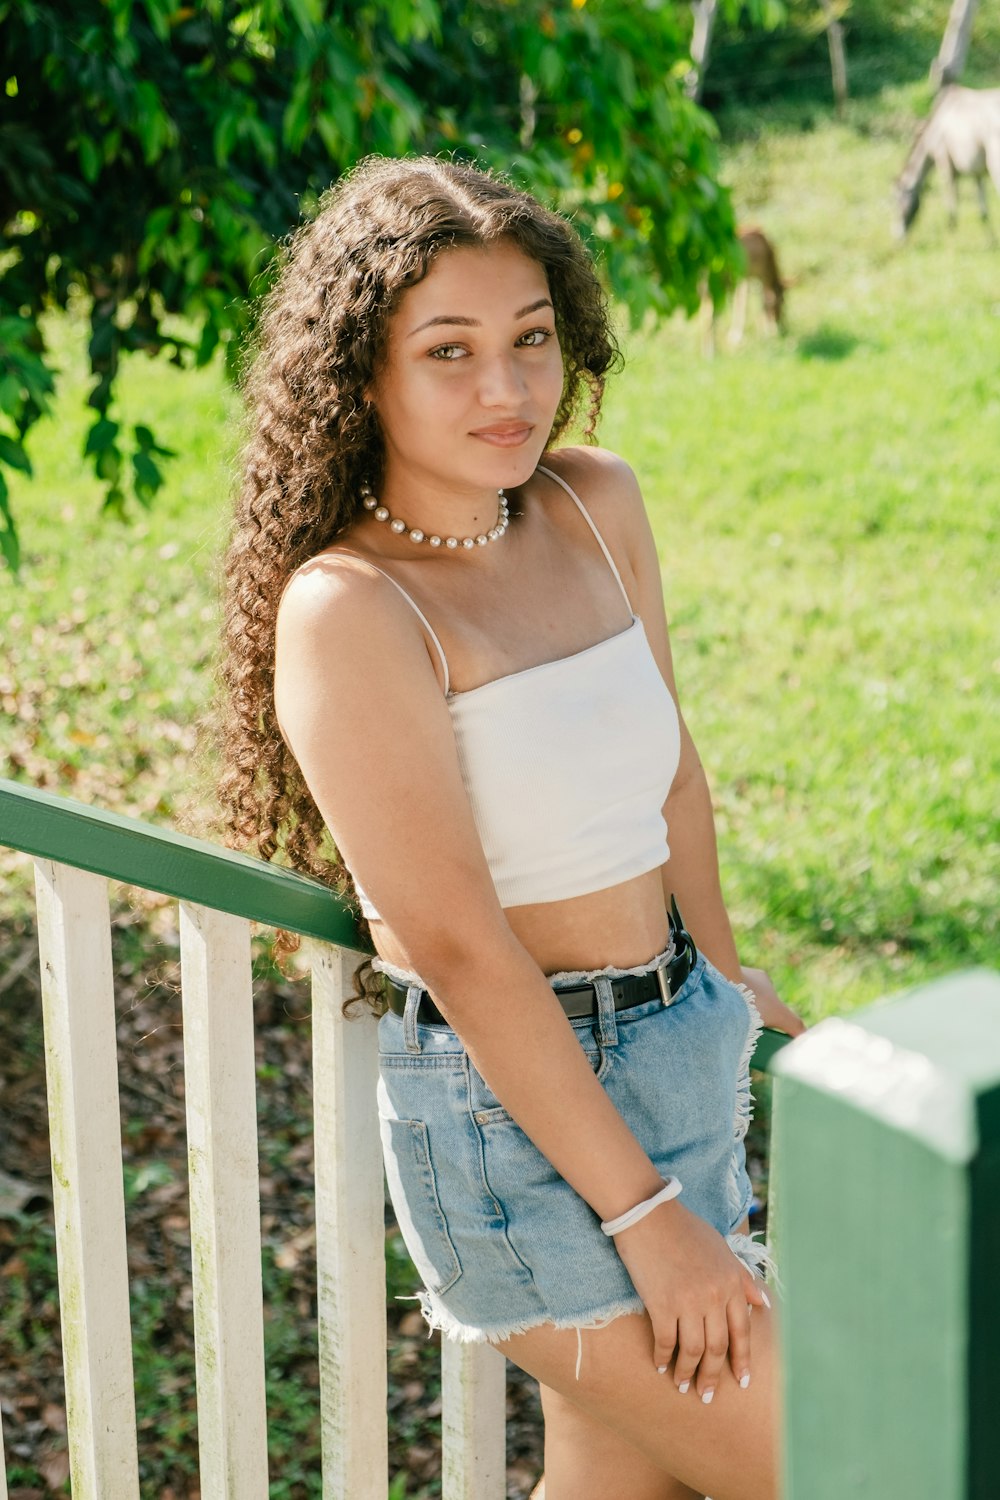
(414, 994)
(607, 1026)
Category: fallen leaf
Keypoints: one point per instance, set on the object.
(54, 1417)
(55, 1469)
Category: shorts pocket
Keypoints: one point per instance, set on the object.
(486, 1108)
(414, 1194)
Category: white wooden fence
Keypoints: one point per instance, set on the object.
(77, 849)
(220, 1082)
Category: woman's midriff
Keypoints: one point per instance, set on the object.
(623, 925)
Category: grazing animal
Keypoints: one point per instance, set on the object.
(762, 266)
(961, 137)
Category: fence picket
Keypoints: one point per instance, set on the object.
(74, 940)
(474, 1394)
(350, 1238)
(220, 1090)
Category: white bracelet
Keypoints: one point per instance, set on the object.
(670, 1189)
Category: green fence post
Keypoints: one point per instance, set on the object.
(886, 1152)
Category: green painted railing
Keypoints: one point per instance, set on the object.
(157, 859)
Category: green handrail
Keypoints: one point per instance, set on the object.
(157, 859)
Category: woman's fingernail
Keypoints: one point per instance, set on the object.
(744, 1380)
(707, 1398)
(684, 1387)
(661, 1369)
(765, 1299)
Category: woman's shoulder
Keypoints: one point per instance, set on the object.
(344, 594)
(606, 484)
(335, 579)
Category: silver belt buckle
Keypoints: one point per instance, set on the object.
(661, 974)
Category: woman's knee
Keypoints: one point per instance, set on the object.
(727, 1450)
(587, 1460)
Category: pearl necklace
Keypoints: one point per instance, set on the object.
(381, 513)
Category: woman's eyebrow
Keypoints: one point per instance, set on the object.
(459, 322)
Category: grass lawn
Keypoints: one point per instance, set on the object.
(826, 511)
(824, 505)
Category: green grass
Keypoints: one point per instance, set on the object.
(826, 507)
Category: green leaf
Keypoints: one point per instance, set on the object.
(550, 69)
(147, 478)
(10, 393)
(146, 443)
(12, 454)
(114, 502)
(108, 464)
(159, 13)
(208, 343)
(152, 124)
(10, 545)
(102, 435)
(90, 158)
(308, 14)
(252, 128)
(297, 119)
(227, 128)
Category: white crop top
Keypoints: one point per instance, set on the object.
(567, 764)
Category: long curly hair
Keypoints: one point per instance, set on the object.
(313, 439)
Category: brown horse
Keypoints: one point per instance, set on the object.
(961, 137)
(762, 266)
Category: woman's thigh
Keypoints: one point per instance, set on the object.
(728, 1450)
(587, 1460)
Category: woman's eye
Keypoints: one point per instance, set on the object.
(447, 351)
(535, 337)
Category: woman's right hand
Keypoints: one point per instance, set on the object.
(697, 1294)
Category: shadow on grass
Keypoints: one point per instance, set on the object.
(829, 343)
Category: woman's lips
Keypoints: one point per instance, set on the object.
(507, 436)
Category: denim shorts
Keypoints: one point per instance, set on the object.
(501, 1242)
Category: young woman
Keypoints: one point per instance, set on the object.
(447, 646)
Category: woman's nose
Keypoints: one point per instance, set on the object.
(501, 383)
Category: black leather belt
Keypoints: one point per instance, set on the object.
(580, 1000)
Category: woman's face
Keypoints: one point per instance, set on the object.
(473, 374)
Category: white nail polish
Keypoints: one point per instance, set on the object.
(765, 1299)
(707, 1398)
(684, 1387)
(661, 1369)
(744, 1381)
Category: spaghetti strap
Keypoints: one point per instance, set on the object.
(589, 520)
(346, 552)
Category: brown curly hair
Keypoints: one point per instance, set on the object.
(313, 439)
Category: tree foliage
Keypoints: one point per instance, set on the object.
(153, 152)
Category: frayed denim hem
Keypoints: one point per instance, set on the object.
(437, 1316)
(757, 1258)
